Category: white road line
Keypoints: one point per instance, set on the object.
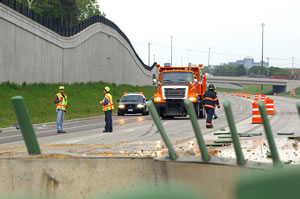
(129, 130)
(73, 141)
(11, 136)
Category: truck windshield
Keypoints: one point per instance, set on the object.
(176, 78)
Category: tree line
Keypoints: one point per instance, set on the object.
(67, 13)
(240, 70)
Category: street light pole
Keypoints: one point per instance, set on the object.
(171, 48)
(148, 54)
(262, 52)
(208, 56)
(268, 61)
(293, 65)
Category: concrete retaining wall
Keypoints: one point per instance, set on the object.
(31, 53)
(85, 177)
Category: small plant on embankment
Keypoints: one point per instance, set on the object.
(83, 100)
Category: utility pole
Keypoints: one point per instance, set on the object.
(293, 65)
(208, 57)
(268, 61)
(262, 52)
(171, 48)
(208, 60)
(148, 54)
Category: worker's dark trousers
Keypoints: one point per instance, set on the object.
(108, 120)
(210, 113)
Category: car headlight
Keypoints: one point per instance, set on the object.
(157, 99)
(140, 106)
(121, 106)
(193, 99)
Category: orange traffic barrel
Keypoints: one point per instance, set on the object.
(237, 93)
(248, 95)
(255, 97)
(224, 93)
(256, 118)
(232, 94)
(244, 95)
(263, 98)
(270, 106)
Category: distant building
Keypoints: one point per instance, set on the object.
(249, 62)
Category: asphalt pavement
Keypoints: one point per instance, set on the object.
(139, 136)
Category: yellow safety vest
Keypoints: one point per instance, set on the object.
(110, 105)
(63, 104)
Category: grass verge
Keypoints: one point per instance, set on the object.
(83, 100)
(252, 89)
(288, 94)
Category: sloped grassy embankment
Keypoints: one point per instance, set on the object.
(83, 100)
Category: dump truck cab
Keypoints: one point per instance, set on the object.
(174, 85)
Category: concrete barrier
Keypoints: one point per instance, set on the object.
(31, 53)
(85, 177)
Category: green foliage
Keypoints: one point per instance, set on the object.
(278, 71)
(83, 99)
(229, 70)
(272, 71)
(67, 13)
(205, 69)
(256, 70)
(88, 8)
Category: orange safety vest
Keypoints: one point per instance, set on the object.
(63, 104)
(110, 105)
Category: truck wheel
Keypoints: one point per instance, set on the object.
(197, 111)
(120, 114)
(144, 112)
(202, 113)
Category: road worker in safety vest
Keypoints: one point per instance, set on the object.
(61, 107)
(107, 106)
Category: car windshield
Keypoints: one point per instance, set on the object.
(132, 98)
(176, 78)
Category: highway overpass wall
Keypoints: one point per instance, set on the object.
(32, 53)
(84, 177)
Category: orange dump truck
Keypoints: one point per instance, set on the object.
(174, 85)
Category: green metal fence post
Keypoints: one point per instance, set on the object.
(234, 134)
(161, 130)
(201, 143)
(269, 135)
(24, 121)
(298, 106)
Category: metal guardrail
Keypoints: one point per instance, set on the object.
(235, 138)
(269, 135)
(162, 131)
(24, 121)
(201, 143)
(49, 23)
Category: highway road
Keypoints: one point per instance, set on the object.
(138, 136)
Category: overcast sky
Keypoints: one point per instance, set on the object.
(231, 28)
